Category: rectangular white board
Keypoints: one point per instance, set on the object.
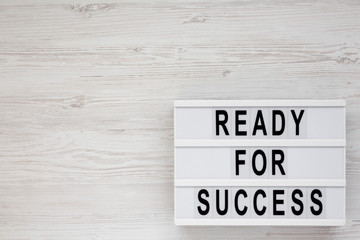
(271, 149)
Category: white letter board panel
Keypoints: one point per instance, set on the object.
(260, 162)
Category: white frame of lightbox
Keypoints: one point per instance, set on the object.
(260, 143)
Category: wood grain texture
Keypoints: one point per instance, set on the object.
(86, 103)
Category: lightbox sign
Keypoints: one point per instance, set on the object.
(263, 162)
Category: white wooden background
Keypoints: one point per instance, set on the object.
(86, 104)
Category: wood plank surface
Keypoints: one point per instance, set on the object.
(86, 104)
